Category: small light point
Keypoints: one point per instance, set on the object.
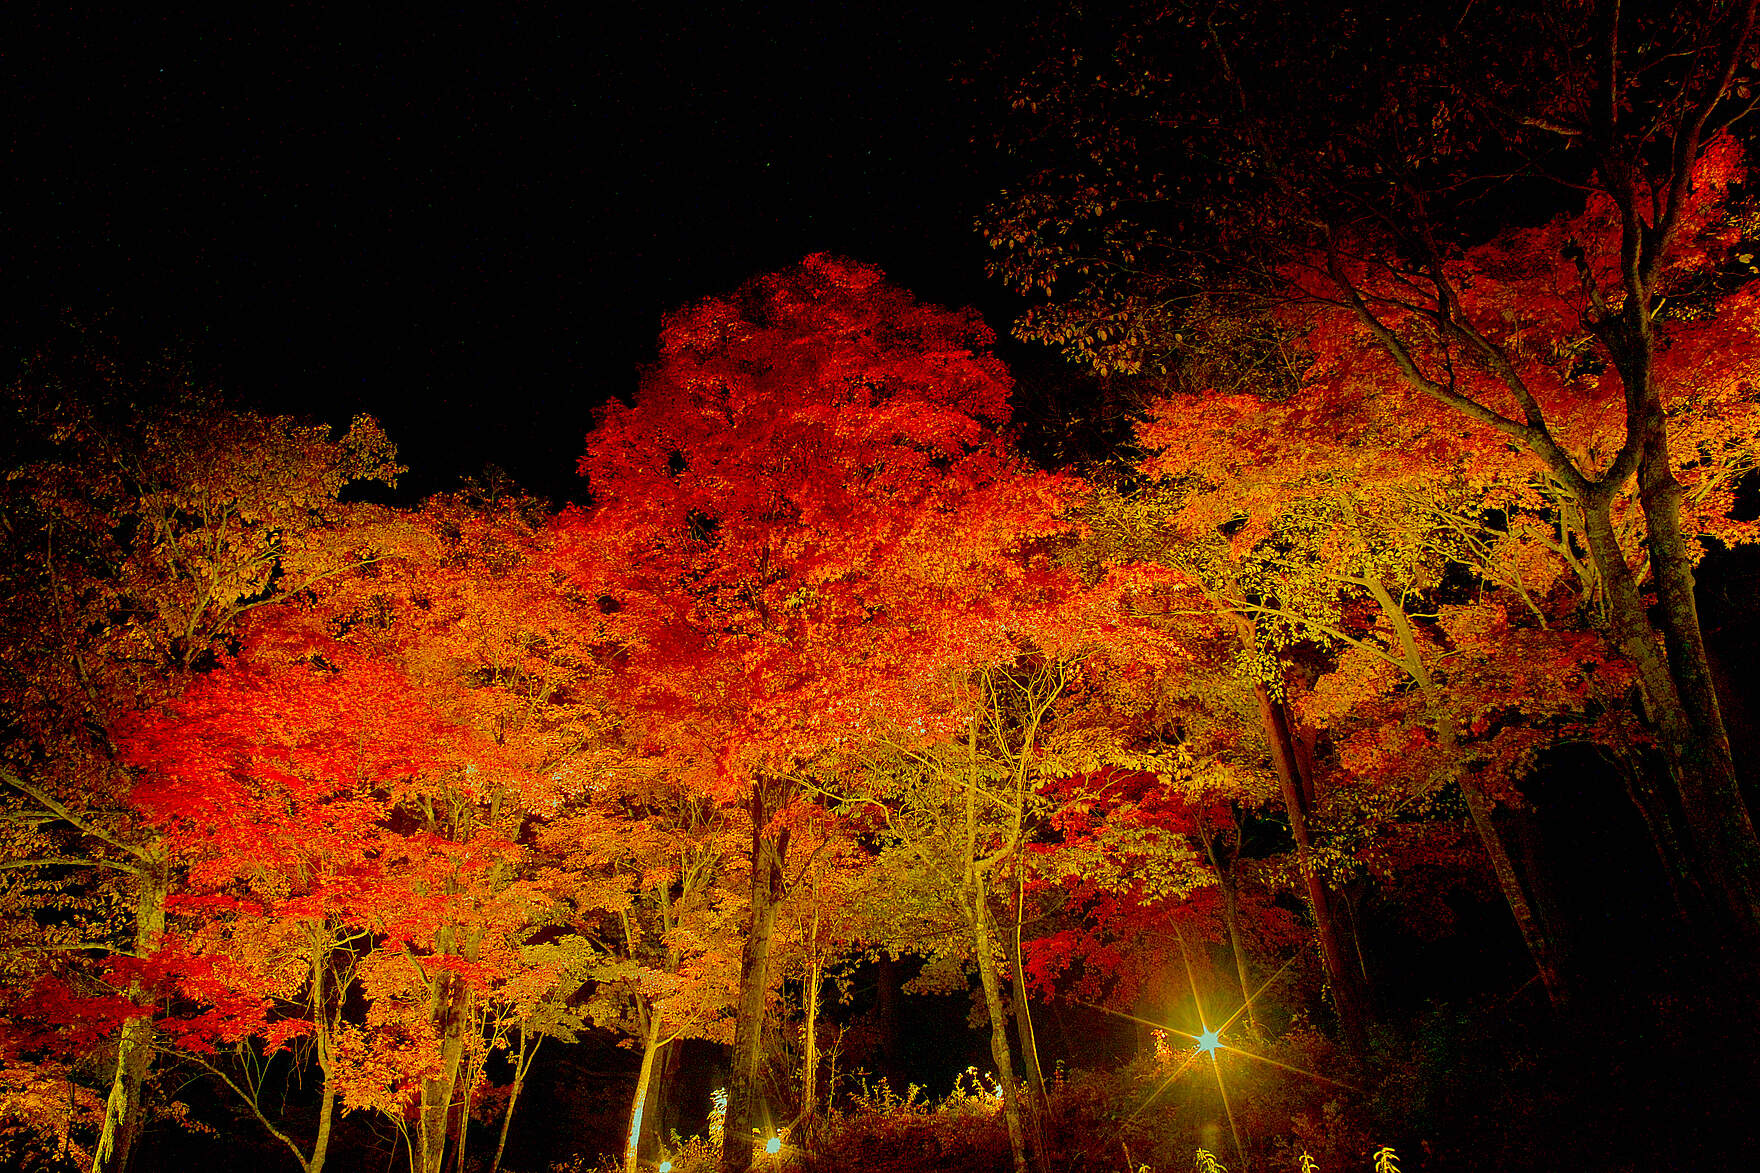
(773, 1145)
(1209, 1041)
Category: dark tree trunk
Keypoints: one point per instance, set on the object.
(769, 851)
(887, 993)
(1023, 1013)
(1347, 993)
(1724, 855)
(1231, 920)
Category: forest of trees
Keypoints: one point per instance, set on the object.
(1312, 695)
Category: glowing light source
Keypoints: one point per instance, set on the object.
(773, 1145)
(665, 1167)
(1208, 1041)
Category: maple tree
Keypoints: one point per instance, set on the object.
(1330, 548)
(1146, 867)
(141, 521)
(794, 532)
(958, 811)
(1215, 604)
(1379, 221)
(352, 808)
(646, 870)
(376, 782)
(262, 781)
(957, 814)
(466, 604)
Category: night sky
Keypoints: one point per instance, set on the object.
(470, 224)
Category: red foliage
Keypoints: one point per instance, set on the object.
(806, 520)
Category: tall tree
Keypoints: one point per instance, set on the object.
(794, 532)
(140, 520)
(1185, 158)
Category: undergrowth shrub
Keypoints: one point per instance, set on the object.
(882, 1131)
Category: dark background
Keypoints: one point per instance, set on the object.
(469, 224)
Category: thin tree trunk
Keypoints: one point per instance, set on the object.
(768, 853)
(974, 904)
(134, 1046)
(326, 1115)
(1038, 1101)
(1349, 903)
(1541, 949)
(473, 1072)
(1023, 1014)
(650, 1047)
(983, 947)
(810, 1057)
(522, 1062)
(326, 1056)
(1231, 919)
(1539, 880)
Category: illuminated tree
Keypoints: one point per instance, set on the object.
(796, 529)
(644, 871)
(262, 780)
(140, 521)
(349, 809)
(1361, 197)
(464, 603)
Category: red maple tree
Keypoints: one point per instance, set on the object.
(797, 531)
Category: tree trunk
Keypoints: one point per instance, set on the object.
(1479, 805)
(1231, 919)
(473, 1071)
(1038, 1101)
(1679, 699)
(521, 1064)
(1349, 903)
(654, 1115)
(451, 1012)
(983, 946)
(768, 853)
(810, 1050)
(134, 1046)
(1534, 935)
(650, 1047)
(326, 1115)
(326, 1056)
(1347, 995)
(887, 993)
(1023, 1014)
(1539, 879)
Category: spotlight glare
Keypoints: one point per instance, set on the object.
(773, 1145)
(1208, 1041)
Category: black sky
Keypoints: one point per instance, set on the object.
(469, 222)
